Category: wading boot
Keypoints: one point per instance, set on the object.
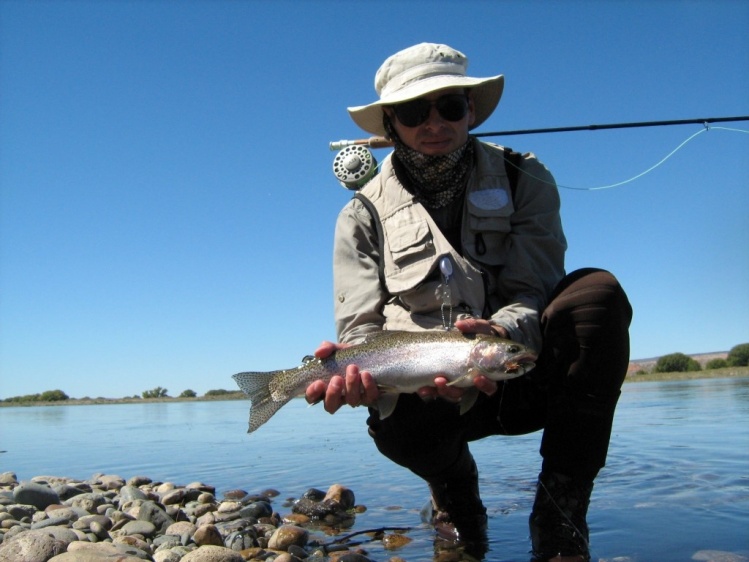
(457, 512)
(557, 522)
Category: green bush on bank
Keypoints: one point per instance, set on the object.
(676, 363)
(46, 396)
(739, 355)
(157, 392)
(219, 392)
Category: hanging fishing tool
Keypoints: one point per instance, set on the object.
(446, 269)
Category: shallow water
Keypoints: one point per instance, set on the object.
(676, 483)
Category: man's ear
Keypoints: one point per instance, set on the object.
(471, 109)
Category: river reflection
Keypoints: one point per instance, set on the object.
(676, 483)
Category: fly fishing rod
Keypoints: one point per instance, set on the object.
(355, 165)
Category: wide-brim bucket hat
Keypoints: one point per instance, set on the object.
(420, 70)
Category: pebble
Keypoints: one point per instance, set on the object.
(107, 518)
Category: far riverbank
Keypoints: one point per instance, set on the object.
(727, 372)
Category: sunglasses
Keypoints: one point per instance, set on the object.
(451, 107)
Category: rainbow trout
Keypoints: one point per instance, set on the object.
(400, 362)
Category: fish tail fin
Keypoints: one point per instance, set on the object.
(262, 402)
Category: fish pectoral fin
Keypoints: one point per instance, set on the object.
(463, 378)
(387, 389)
(468, 399)
(386, 404)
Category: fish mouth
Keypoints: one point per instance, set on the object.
(521, 364)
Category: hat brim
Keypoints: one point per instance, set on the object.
(485, 93)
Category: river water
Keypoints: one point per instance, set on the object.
(676, 486)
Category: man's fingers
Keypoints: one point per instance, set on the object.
(325, 349)
(485, 385)
(334, 394)
(353, 386)
(370, 391)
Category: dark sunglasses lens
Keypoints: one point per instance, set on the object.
(451, 107)
(412, 113)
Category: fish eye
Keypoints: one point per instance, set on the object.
(514, 349)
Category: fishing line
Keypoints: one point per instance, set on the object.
(641, 174)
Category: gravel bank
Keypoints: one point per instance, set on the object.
(107, 518)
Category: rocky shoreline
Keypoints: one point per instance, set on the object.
(109, 519)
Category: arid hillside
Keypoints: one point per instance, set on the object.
(647, 365)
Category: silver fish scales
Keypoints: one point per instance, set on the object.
(400, 362)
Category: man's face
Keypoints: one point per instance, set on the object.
(436, 136)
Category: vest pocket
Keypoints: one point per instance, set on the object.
(487, 239)
(409, 242)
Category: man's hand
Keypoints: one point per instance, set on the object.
(484, 384)
(354, 388)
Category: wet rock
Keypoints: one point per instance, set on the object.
(21, 512)
(235, 495)
(32, 546)
(333, 508)
(38, 495)
(87, 501)
(287, 535)
(139, 527)
(173, 497)
(201, 487)
(213, 554)
(137, 481)
(340, 495)
(296, 519)
(63, 512)
(206, 497)
(241, 540)
(135, 542)
(130, 493)
(8, 479)
(229, 506)
(181, 528)
(167, 556)
(208, 535)
(314, 495)
(256, 510)
(109, 481)
(297, 551)
(107, 549)
(66, 491)
(150, 511)
(395, 541)
(286, 557)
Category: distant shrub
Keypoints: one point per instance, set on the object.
(738, 356)
(218, 392)
(188, 394)
(54, 396)
(46, 396)
(716, 364)
(676, 363)
(157, 392)
(23, 399)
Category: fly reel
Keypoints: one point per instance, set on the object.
(354, 166)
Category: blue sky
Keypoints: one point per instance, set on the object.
(167, 199)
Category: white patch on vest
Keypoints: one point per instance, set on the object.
(489, 199)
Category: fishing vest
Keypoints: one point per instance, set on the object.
(412, 247)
